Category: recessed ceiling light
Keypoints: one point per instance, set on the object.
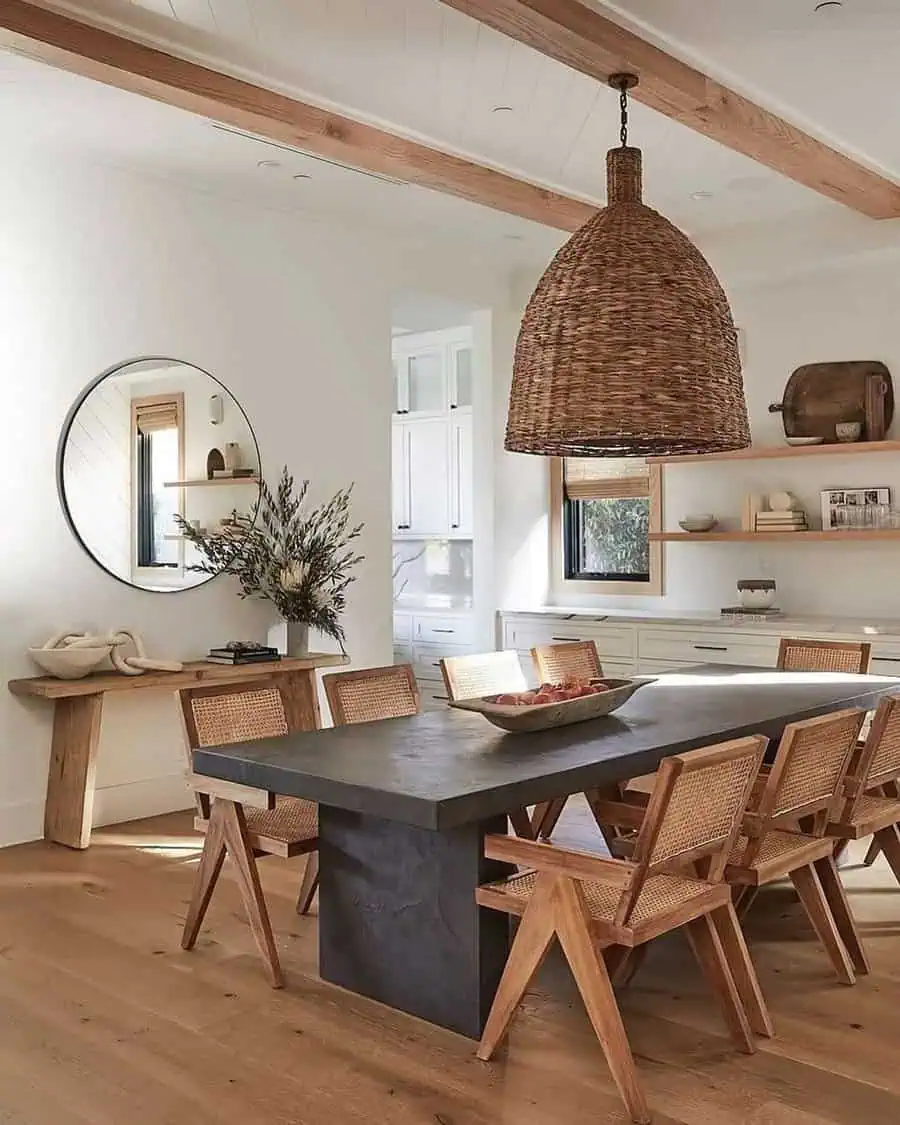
(823, 5)
(268, 164)
(502, 109)
(302, 176)
(701, 196)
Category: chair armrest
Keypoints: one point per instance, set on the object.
(561, 861)
(231, 791)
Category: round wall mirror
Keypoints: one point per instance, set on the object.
(149, 441)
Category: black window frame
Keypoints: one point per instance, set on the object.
(573, 550)
(146, 529)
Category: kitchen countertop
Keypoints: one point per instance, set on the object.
(840, 626)
(432, 603)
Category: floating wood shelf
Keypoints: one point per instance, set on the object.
(208, 483)
(764, 452)
(859, 536)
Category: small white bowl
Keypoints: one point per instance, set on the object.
(705, 522)
(69, 663)
(757, 599)
(804, 440)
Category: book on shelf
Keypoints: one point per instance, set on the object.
(736, 613)
(242, 657)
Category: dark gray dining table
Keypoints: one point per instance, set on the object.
(405, 805)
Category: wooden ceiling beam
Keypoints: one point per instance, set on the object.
(79, 48)
(580, 37)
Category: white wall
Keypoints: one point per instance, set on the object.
(844, 309)
(293, 316)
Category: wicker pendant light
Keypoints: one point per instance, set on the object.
(627, 346)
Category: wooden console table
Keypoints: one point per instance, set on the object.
(78, 705)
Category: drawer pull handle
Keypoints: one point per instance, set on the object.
(443, 630)
(887, 659)
(712, 648)
(442, 698)
(573, 639)
(435, 664)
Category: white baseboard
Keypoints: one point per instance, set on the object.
(113, 804)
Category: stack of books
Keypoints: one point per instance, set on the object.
(242, 652)
(735, 614)
(781, 521)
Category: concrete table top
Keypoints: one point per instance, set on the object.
(448, 768)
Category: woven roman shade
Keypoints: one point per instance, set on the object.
(627, 347)
(156, 416)
(606, 478)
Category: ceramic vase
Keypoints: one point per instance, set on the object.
(291, 638)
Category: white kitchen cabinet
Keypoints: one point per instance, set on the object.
(459, 385)
(399, 477)
(433, 372)
(428, 471)
(462, 483)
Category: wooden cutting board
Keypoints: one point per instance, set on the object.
(818, 395)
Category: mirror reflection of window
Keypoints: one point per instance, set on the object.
(159, 458)
(151, 439)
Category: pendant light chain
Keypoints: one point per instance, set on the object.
(623, 109)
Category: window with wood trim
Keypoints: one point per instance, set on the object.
(158, 457)
(606, 509)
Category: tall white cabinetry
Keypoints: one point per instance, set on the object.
(432, 435)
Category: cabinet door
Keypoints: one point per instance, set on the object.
(460, 376)
(426, 383)
(428, 461)
(399, 476)
(461, 475)
(401, 387)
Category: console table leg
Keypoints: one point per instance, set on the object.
(73, 765)
(300, 696)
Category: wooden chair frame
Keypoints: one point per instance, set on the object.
(808, 858)
(871, 793)
(861, 649)
(559, 907)
(221, 816)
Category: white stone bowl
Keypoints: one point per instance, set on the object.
(704, 522)
(69, 663)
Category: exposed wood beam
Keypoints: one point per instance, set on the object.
(571, 33)
(116, 61)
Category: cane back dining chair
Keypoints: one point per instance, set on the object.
(239, 821)
(557, 663)
(488, 673)
(871, 804)
(796, 654)
(599, 908)
(804, 787)
(570, 660)
(364, 695)
(800, 655)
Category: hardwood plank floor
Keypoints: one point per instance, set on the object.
(104, 1020)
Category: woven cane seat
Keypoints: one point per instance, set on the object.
(778, 846)
(661, 894)
(872, 810)
(292, 821)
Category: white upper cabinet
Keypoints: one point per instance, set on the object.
(432, 493)
(461, 476)
(428, 458)
(460, 376)
(400, 477)
(433, 372)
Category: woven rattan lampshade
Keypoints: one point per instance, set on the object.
(627, 347)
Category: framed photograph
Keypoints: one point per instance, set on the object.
(845, 508)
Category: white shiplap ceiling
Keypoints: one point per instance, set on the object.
(423, 69)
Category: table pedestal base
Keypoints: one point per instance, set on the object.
(398, 920)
